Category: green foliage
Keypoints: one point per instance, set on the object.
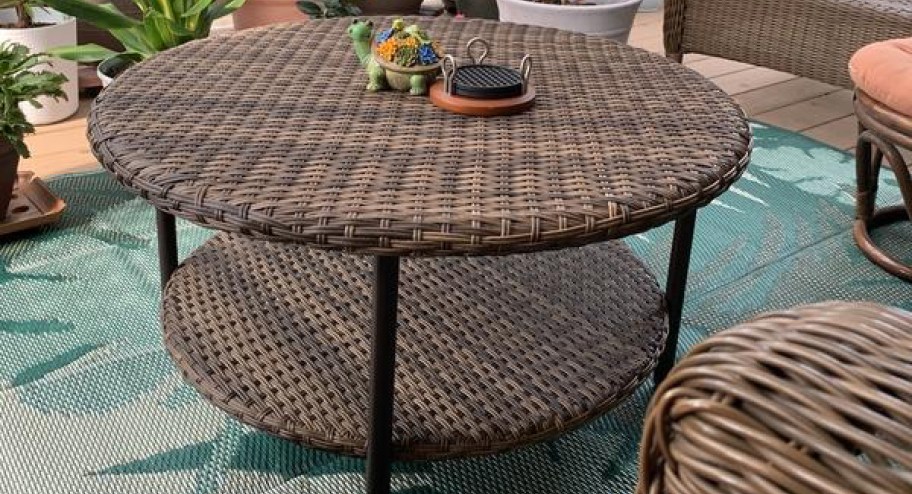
(164, 24)
(18, 84)
(329, 8)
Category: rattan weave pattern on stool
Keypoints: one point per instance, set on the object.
(270, 132)
(811, 400)
(882, 133)
(524, 348)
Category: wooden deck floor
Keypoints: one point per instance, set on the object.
(818, 110)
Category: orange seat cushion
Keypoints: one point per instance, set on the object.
(883, 70)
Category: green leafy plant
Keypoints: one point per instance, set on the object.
(18, 84)
(164, 24)
(329, 8)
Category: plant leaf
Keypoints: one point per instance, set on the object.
(198, 7)
(83, 53)
(220, 10)
(310, 8)
(103, 16)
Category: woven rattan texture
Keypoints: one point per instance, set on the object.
(810, 400)
(810, 38)
(271, 133)
(493, 352)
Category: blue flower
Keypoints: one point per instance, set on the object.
(426, 55)
(384, 35)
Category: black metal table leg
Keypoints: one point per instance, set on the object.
(383, 367)
(675, 287)
(167, 245)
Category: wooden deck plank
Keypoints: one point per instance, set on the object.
(750, 79)
(838, 133)
(782, 94)
(650, 19)
(715, 67)
(811, 113)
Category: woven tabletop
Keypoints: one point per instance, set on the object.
(270, 132)
(525, 347)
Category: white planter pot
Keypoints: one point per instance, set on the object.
(104, 78)
(610, 18)
(61, 32)
(651, 5)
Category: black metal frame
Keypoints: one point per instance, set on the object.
(383, 370)
(675, 288)
(383, 351)
(167, 245)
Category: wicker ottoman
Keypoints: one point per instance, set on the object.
(883, 104)
(811, 400)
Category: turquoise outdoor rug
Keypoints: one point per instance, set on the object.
(91, 404)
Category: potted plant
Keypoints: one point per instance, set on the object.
(610, 18)
(29, 23)
(164, 24)
(482, 9)
(21, 81)
(401, 58)
(263, 12)
(328, 9)
(389, 7)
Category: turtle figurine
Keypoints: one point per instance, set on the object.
(402, 58)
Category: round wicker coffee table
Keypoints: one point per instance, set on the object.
(270, 136)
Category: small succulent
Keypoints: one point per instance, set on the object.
(406, 46)
(327, 9)
(406, 56)
(427, 55)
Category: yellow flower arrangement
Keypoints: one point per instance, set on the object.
(388, 48)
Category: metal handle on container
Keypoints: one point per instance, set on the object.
(472, 42)
(448, 69)
(525, 70)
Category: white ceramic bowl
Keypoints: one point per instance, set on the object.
(610, 18)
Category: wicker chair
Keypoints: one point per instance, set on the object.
(806, 401)
(809, 38)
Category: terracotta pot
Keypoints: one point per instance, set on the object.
(9, 165)
(390, 7)
(264, 12)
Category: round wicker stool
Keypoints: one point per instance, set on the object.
(811, 400)
(881, 131)
(882, 73)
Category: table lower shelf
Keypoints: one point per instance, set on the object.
(492, 353)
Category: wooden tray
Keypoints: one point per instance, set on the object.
(33, 205)
(480, 107)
